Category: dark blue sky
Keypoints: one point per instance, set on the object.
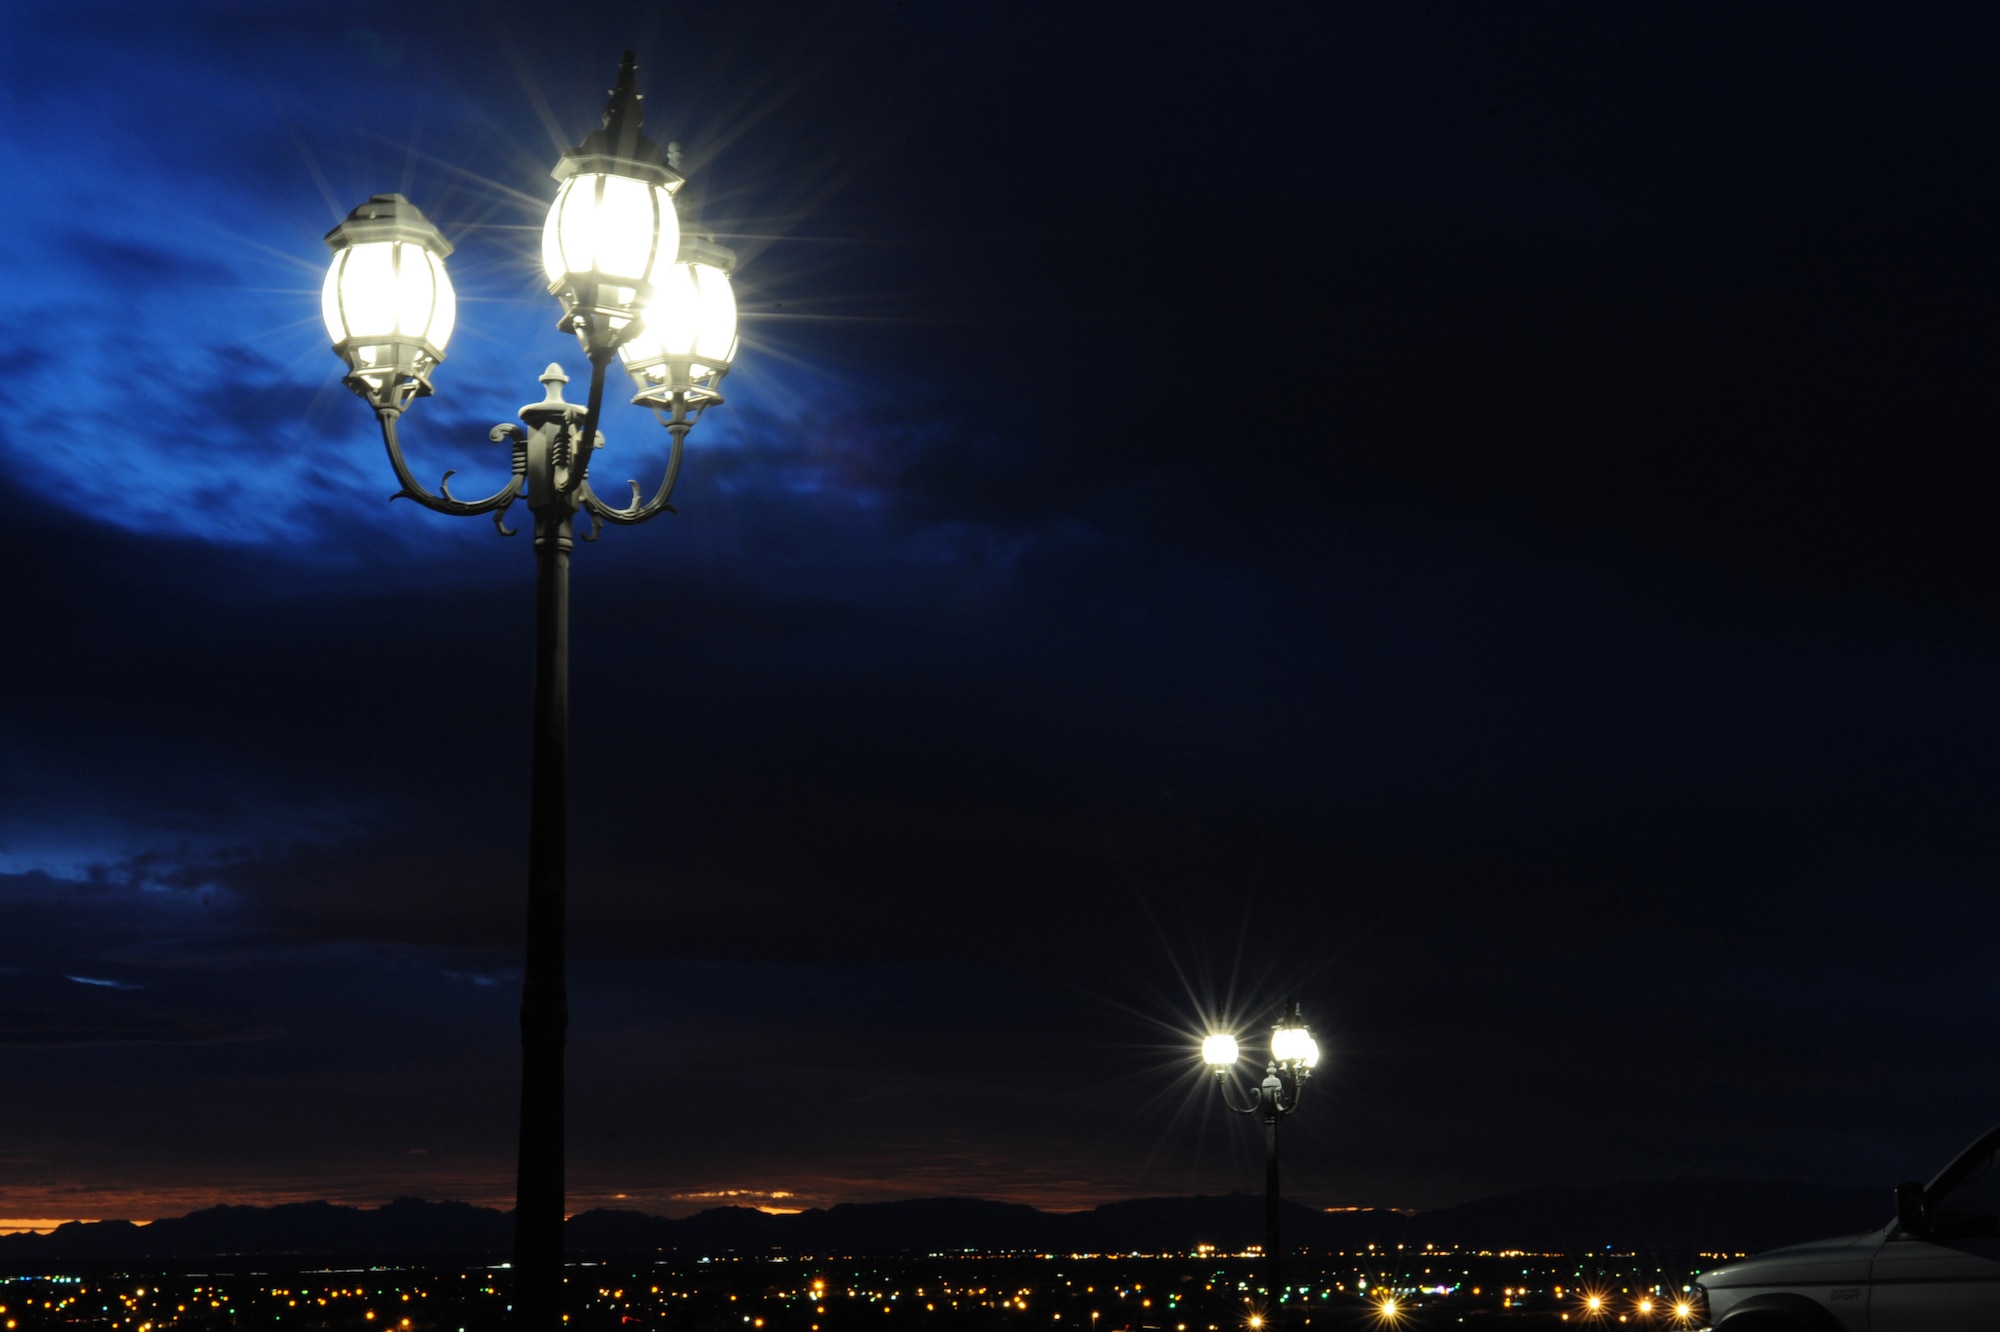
(1481, 518)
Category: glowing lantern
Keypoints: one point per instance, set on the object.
(689, 340)
(1292, 1045)
(611, 232)
(1219, 1051)
(387, 301)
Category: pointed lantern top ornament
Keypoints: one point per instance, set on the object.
(621, 148)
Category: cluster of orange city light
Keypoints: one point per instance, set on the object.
(1091, 1292)
(149, 1308)
(1599, 1305)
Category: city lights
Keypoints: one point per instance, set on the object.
(961, 1292)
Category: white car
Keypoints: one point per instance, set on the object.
(1935, 1268)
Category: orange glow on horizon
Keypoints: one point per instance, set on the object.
(58, 1202)
(142, 1205)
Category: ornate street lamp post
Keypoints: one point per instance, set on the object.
(1294, 1053)
(632, 286)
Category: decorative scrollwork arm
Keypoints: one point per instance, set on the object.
(444, 501)
(641, 508)
(1229, 1097)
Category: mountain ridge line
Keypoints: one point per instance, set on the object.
(1681, 1215)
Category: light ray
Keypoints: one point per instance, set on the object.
(559, 141)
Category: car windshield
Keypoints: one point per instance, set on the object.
(1969, 1205)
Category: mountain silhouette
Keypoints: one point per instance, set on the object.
(1683, 1215)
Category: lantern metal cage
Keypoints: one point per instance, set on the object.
(689, 341)
(387, 300)
(612, 229)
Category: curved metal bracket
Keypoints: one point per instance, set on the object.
(444, 501)
(1229, 1097)
(509, 431)
(641, 508)
(588, 439)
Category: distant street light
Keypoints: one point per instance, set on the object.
(634, 284)
(1294, 1053)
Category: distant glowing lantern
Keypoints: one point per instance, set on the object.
(387, 301)
(1292, 1045)
(611, 232)
(1219, 1051)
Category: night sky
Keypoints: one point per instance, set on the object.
(1478, 516)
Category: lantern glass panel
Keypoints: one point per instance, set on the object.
(674, 313)
(613, 226)
(1289, 1044)
(385, 289)
(552, 253)
(415, 291)
(329, 300)
(715, 337)
(444, 314)
(692, 313)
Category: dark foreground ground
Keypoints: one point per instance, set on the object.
(1419, 1289)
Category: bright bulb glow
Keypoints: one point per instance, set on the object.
(692, 313)
(613, 228)
(1294, 1045)
(1219, 1050)
(388, 289)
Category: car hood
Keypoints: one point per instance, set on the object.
(1827, 1259)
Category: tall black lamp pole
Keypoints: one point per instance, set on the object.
(1294, 1053)
(636, 284)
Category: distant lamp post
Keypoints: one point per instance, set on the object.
(1294, 1054)
(631, 285)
